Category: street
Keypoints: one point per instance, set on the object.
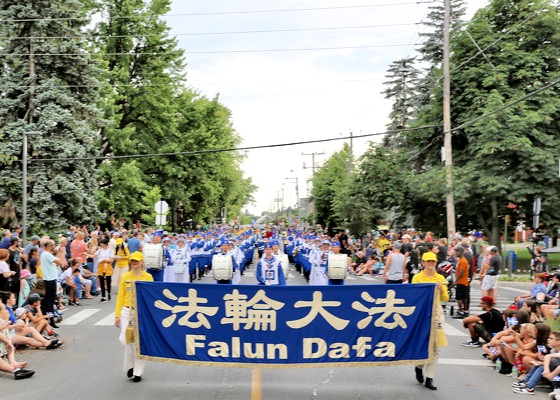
(89, 366)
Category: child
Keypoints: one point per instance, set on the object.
(6, 276)
(24, 287)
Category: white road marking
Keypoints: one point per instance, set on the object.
(79, 317)
(107, 321)
(465, 362)
(452, 331)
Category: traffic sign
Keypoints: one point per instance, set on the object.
(161, 207)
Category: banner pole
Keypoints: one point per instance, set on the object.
(256, 393)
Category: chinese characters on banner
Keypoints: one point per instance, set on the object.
(289, 325)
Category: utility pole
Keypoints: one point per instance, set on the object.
(351, 156)
(450, 201)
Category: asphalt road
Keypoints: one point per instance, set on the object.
(89, 366)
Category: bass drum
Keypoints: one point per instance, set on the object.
(222, 267)
(337, 266)
(153, 255)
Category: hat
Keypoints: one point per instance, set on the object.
(429, 256)
(492, 248)
(326, 242)
(542, 244)
(488, 300)
(335, 244)
(137, 256)
(24, 273)
(268, 245)
(35, 237)
(119, 241)
(19, 312)
(477, 234)
(33, 297)
(167, 239)
(460, 248)
(406, 236)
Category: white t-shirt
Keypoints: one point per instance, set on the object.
(4, 267)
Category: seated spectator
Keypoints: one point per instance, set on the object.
(539, 287)
(368, 267)
(35, 315)
(413, 265)
(547, 368)
(19, 331)
(492, 349)
(72, 282)
(357, 265)
(484, 325)
(534, 356)
(7, 350)
(534, 310)
(525, 339)
(90, 276)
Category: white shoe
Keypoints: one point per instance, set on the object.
(553, 394)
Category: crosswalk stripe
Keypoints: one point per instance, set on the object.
(452, 331)
(107, 321)
(79, 317)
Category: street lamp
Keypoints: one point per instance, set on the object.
(24, 189)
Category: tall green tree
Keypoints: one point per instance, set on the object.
(401, 89)
(48, 85)
(511, 155)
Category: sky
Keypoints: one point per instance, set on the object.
(313, 70)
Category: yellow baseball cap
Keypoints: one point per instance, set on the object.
(137, 256)
(429, 256)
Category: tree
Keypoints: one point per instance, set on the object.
(331, 188)
(48, 85)
(512, 154)
(401, 81)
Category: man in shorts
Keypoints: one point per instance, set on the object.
(489, 273)
(462, 290)
(484, 325)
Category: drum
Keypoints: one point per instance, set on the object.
(153, 255)
(222, 267)
(337, 266)
(285, 263)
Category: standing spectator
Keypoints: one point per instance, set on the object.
(50, 274)
(442, 250)
(343, 239)
(6, 274)
(15, 260)
(134, 244)
(6, 242)
(413, 265)
(33, 244)
(462, 289)
(540, 261)
(394, 266)
(406, 245)
(78, 247)
(489, 273)
(104, 259)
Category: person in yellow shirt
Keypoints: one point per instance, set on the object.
(133, 366)
(429, 275)
(121, 258)
(382, 244)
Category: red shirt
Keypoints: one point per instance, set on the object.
(78, 248)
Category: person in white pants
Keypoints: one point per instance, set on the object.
(134, 367)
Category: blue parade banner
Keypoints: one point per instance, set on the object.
(248, 325)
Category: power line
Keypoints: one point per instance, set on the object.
(213, 33)
(221, 12)
(487, 115)
(144, 85)
(212, 151)
(181, 52)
